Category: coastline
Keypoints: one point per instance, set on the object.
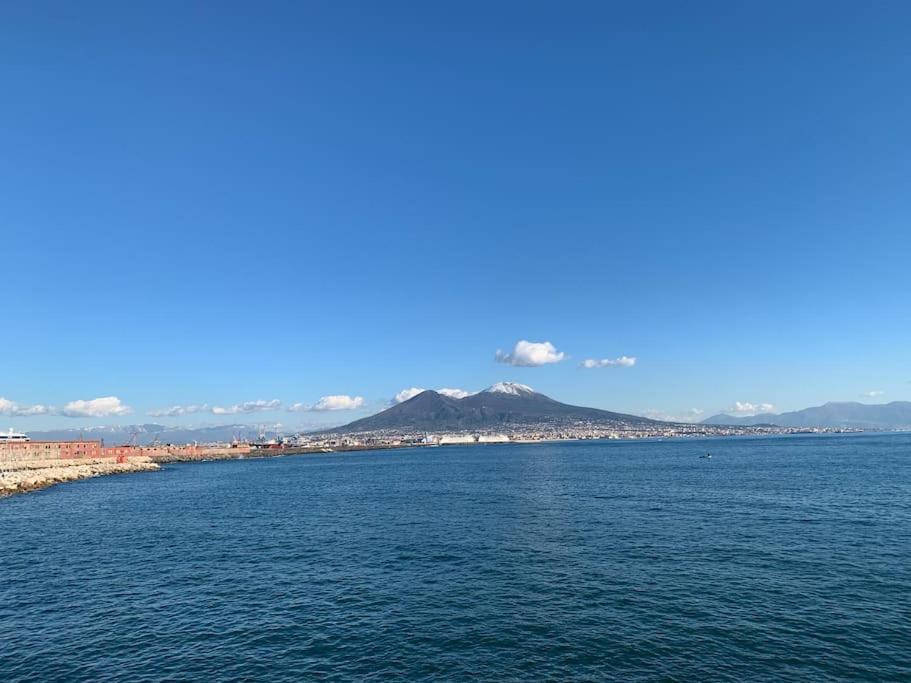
(26, 476)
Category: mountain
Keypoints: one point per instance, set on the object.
(733, 420)
(147, 433)
(505, 404)
(895, 415)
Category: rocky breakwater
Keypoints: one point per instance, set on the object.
(31, 475)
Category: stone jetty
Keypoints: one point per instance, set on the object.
(30, 475)
(32, 465)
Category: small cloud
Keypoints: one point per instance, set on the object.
(454, 393)
(339, 402)
(12, 409)
(874, 394)
(247, 407)
(531, 354)
(411, 392)
(746, 409)
(329, 403)
(406, 394)
(691, 415)
(621, 362)
(176, 411)
(106, 406)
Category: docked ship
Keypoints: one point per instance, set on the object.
(11, 436)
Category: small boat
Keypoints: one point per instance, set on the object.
(707, 455)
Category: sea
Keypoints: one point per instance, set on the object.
(781, 558)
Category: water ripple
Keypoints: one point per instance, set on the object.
(779, 559)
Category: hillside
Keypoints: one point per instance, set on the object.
(500, 406)
(894, 415)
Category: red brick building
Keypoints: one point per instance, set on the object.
(50, 450)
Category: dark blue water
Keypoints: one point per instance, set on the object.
(784, 558)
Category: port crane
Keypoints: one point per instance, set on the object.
(134, 439)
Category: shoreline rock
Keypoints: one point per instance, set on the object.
(24, 477)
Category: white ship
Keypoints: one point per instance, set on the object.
(12, 436)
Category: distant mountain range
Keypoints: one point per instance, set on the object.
(503, 405)
(895, 415)
(147, 433)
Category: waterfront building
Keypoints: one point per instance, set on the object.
(49, 450)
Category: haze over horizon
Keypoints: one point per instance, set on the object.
(659, 210)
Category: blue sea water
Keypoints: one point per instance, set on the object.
(777, 559)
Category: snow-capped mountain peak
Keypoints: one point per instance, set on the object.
(512, 388)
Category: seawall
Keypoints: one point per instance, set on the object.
(22, 476)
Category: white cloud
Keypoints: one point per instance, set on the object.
(247, 407)
(176, 411)
(531, 354)
(746, 409)
(338, 402)
(454, 393)
(329, 403)
(411, 392)
(874, 394)
(406, 394)
(621, 362)
(106, 406)
(691, 415)
(13, 409)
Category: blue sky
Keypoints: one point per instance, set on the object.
(218, 204)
